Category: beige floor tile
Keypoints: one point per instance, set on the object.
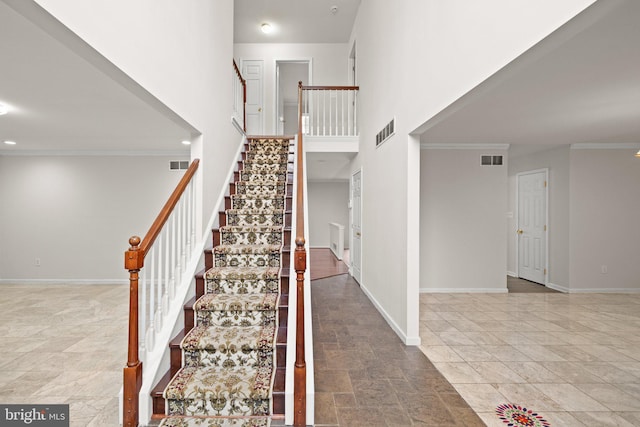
(602, 419)
(496, 372)
(481, 397)
(534, 372)
(611, 396)
(570, 398)
(572, 372)
(441, 354)
(527, 395)
(459, 373)
(473, 353)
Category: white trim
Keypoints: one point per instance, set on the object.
(604, 290)
(464, 290)
(331, 144)
(439, 146)
(237, 125)
(88, 153)
(407, 340)
(605, 146)
(546, 221)
(512, 274)
(85, 282)
(559, 288)
(351, 239)
(276, 95)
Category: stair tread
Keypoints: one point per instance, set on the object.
(216, 391)
(237, 302)
(244, 273)
(246, 249)
(215, 422)
(230, 338)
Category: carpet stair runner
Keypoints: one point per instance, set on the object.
(230, 356)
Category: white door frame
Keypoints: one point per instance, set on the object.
(546, 220)
(264, 88)
(351, 237)
(276, 86)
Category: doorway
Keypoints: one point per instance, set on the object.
(356, 226)
(288, 74)
(532, 220)
(252, 71)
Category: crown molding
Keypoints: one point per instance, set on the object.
(439, 146)
(606, 146)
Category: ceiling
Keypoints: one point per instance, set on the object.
(59, 101)
(579, 85)
(294, 21)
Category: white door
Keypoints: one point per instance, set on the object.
(253, 74)
(532, 225)
(356, 230)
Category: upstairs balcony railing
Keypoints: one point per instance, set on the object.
(239, 97)
(329, 111)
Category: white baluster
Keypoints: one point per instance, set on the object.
(343, 94)
(172, 282)
(142, 318)
(159, 282)
(152, 300)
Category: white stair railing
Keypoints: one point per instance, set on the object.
(330, 111)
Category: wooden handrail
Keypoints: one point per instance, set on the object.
(133, 262)
(300, 265)
(330, 87)
(244, 95)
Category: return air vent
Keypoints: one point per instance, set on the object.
(491, 160)
(386, 132)
(176, 165)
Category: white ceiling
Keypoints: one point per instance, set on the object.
(60, 101)
(580, 85)
(329, 166)
(294, 21)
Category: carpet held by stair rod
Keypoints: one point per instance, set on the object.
(229, 356)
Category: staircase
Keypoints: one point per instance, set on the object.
(228, 366)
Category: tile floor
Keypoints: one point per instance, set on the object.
(574, 358)
(64, 344)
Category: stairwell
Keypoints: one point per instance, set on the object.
(228, 364)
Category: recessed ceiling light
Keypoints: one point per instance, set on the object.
(638, 153)
(10, 142)
(4, 109)
(185, 142)
(266, 28)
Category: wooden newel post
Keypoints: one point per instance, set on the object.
(300, 375)
(132, 381)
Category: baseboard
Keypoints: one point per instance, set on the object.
(117, 282)
(604, 291)
(407, 340)
(463, 290)
(559, 288)
(512, 274)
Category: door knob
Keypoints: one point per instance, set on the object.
(260, 110)
(520, 231)
(358, 234)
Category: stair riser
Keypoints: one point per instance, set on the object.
(248, 220)
(275, 204)
(248, 357)
(219, 407)
(236, 318)
(247, 260)
(214, 286)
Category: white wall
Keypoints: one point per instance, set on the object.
(181, 53)
(411, 64)
(329, 67)
(462, 211)
(557, 161)
(328, 202)
(605, 202)
(76, 214)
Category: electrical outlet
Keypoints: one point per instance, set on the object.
(37, 262)
(604, 269)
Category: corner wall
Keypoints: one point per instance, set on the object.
(462, 232)
(328, 202)
(76, 214)
(411, 64)
(604, 236)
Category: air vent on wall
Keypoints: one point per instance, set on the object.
(386, 132)
(491, 160)
(176, 165)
